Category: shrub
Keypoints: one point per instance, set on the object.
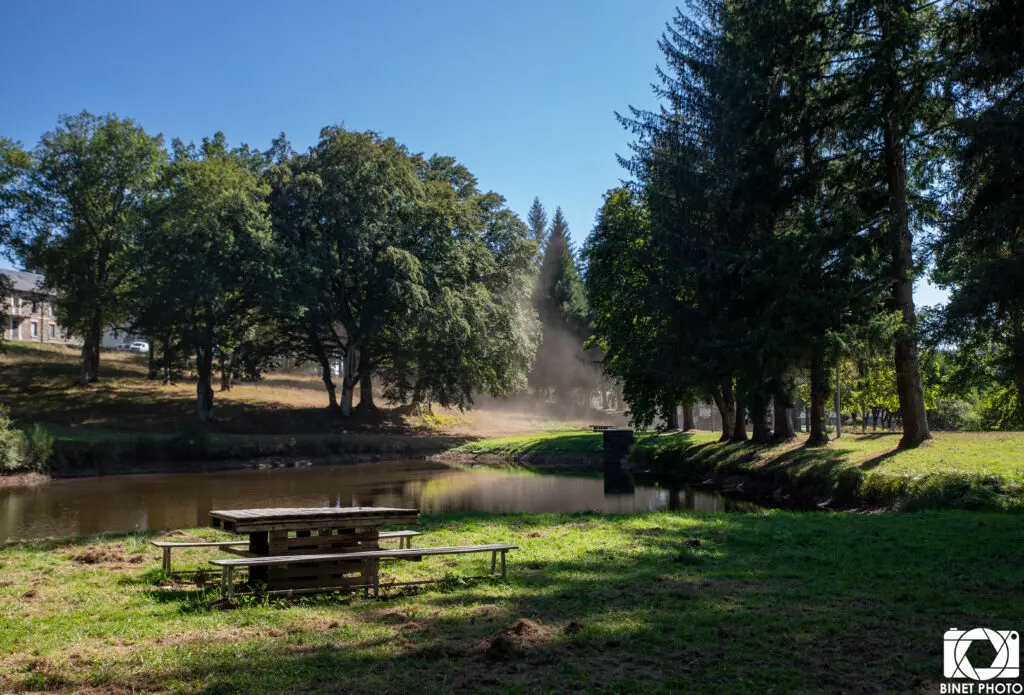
(12, 444)
(38, 448)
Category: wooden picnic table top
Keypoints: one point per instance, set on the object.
(255, 520)
(303, 513)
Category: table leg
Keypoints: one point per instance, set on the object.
(228, 583)
(494, 560)
(259, 545)
(167, 560)
(502, 564)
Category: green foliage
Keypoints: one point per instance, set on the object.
(537, 221)
(400, 264)
(980, 252)
(637, 323)
(12, 443)
(38, 448)
(204, 260)
(78, 206)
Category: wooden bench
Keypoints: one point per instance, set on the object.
(229, 565)
(600, 428)
(240, 547)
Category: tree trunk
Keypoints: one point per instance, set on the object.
(782, 401)
(167, 360)
(672, 417)
(908, 368)
(91, 348)
(97, 342)
(722, 396)
(366, 390)
(759, 406)
(204, 388)
(688, 416)
(1018, 359)
(87, 361)
(784, 427)
(153, 369)
(739, 427)
(226, 372)
(794, 414)
(819, 392)
(325, 368)
(348, 383)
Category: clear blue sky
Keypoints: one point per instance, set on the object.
(523, 93)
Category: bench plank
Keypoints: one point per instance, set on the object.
(240, 547)
(337, 574)
(360, 555)
(198, 544)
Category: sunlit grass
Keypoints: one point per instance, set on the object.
(660, 602)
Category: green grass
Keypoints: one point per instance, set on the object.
(552, 442)
(578, 441)
(775, 602)
(976, 469)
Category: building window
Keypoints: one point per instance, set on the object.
(35, 329)
(49, 308)
(53, 331)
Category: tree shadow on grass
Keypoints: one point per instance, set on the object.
(734, 603)
(876, 461)
(760, 608)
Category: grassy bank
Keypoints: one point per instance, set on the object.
(127, 422)
(101, 453)
(782, 602)
(970, 470)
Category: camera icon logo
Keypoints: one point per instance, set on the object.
(955, 663)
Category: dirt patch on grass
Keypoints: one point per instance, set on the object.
(94, 556)
(515, 637)
(391, 617)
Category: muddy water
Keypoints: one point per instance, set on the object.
(143, 502)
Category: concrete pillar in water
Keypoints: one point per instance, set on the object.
(617, 444)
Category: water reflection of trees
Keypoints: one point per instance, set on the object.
(126, 503)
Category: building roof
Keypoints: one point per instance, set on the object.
(25, 282)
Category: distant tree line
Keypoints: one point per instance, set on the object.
(810, 160)
(355, 250)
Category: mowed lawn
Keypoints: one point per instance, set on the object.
(38, 384)
(986, 453)
(669, 602)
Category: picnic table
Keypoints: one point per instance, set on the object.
(313, 531)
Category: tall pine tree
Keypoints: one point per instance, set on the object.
(537, 221)
(560, 300)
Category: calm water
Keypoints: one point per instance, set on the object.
(142, 502)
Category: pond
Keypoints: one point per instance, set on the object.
(168, 501)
